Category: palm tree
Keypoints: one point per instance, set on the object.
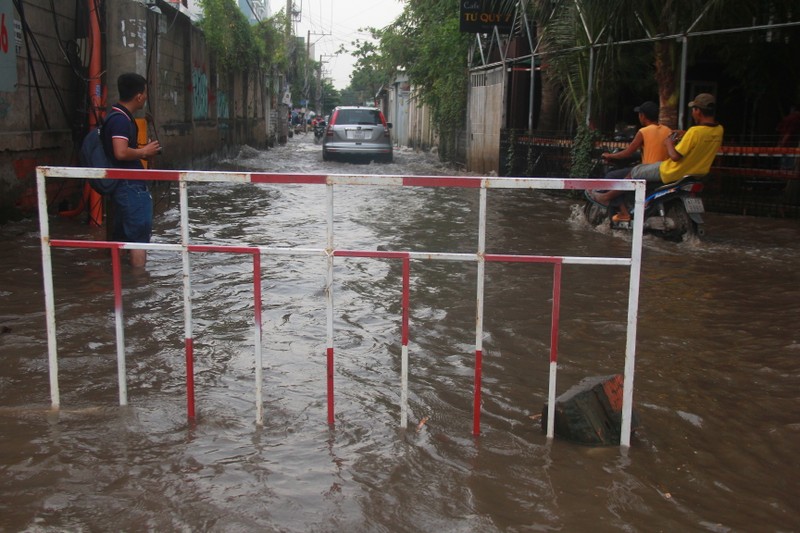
(579, 29)
(568, 32)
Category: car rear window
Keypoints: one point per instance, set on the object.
(359, 116)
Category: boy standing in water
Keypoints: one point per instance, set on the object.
(133, 205)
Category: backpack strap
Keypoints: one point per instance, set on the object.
(131, 132)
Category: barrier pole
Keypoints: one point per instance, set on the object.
(187, 299)
(404, 348)
(633, 312)
(329, 300)
(476, 407)
(49, 300)
(551, 394)
(258, 337)
(405, 310)
(119, 325)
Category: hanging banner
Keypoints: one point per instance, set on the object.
(481, 16)
(8, 51)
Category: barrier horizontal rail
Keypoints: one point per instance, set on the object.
(196, 176)
(272, 250)
(329, 252)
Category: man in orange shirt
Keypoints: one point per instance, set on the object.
(649, 139)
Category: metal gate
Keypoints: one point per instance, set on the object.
(486, 97)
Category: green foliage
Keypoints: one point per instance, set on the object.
(236, 44)
(568, 28)
(330, 97)
(581, 152)
(511, 153)
(530, 160)
(270, 33)
(426, 44)
(371, 69)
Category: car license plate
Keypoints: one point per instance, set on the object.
(357, 135)
(693, 204)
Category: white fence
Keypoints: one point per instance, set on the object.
(330, 182)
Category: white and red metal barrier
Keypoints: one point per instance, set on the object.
(185, 247)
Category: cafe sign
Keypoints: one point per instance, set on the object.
(481, 16)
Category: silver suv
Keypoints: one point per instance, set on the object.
(357, 131)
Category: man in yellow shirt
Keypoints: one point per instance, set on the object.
(694, 154)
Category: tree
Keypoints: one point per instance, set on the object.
(584, 43)
(371, 70)
(572, 29)
(229, 35)
(269, 33)
(568, 31)
(426, 42)
(331, 97)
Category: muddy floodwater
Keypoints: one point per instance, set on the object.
(717, 381)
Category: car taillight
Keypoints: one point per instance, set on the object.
(385, 125)
(329, 129)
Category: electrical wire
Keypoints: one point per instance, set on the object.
(69, 55)
(28, 34)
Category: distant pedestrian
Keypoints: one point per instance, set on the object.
(789, 129)
(789, 136)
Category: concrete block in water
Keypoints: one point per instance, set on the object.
(590, 412)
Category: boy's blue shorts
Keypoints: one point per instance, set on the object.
(133, 215)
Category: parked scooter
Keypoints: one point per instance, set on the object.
(672, 211)
(319, 131)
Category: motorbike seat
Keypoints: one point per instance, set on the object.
(689, 178)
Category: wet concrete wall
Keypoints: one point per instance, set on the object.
(196, 108)
(38, 93)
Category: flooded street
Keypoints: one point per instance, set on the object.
(717, 383)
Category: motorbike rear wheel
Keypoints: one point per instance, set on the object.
(595, 214)
(683, 223)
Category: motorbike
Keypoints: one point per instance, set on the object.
(672, 211)
(319, 131)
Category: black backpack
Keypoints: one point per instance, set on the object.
(93, 155)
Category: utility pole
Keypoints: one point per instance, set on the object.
(320, 96)
(318, 76)
(289, 16)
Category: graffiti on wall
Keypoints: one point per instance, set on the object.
(8, 57)
(169, 93)
(222, 105)
(199, 93)
(133, 32)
